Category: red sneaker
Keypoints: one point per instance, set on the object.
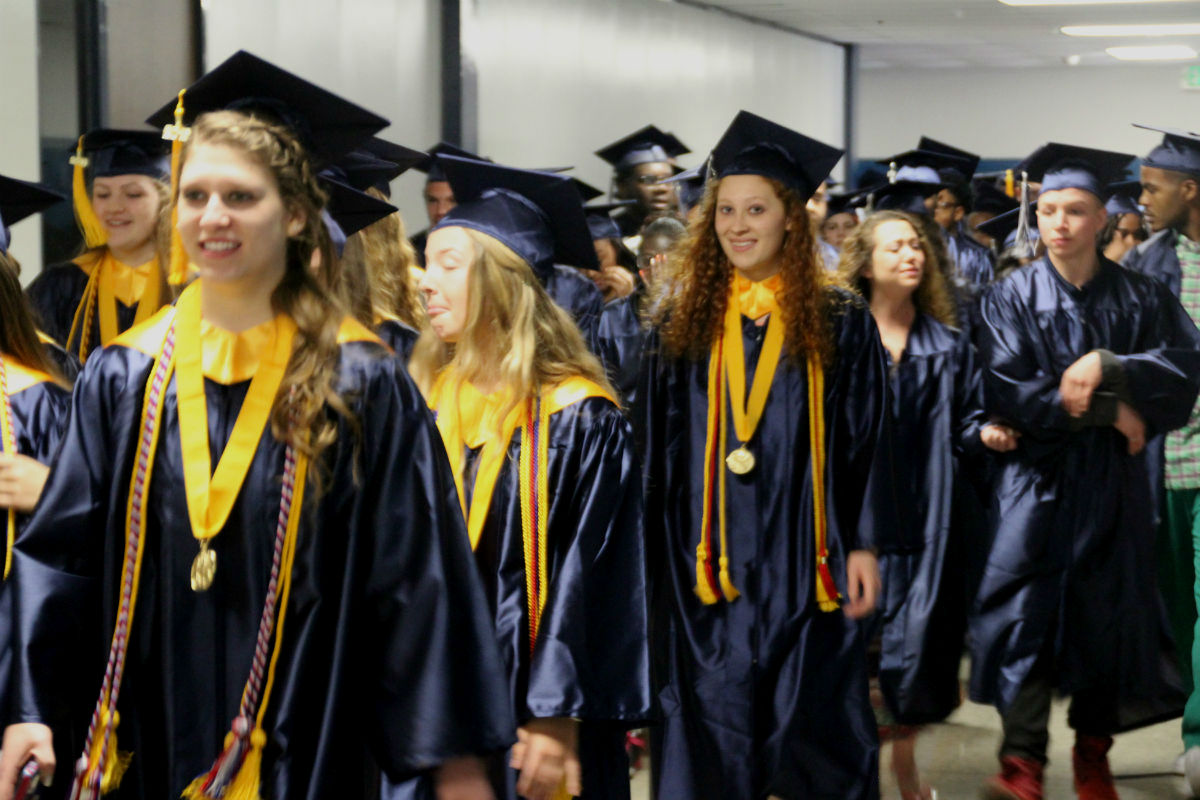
(1019, 779)
(1093, 778)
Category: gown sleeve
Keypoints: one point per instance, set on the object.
(1162, 381)
(969, 417)
(861, 458)
(438, 691)
(591, 660)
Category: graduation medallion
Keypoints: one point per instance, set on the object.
(204, 567)
(740, 461)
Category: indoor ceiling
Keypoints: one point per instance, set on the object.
(963, 33)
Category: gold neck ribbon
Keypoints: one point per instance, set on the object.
(467, 418)
(727, 361)
(110, 280)
(211, 495)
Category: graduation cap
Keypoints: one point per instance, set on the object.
(535, 214)
(18, 200)
(845, 203)
(969, 161)
(903, 195)
(326, 124)
(429, 165)
(105, 153)
(1123, 197)
(922, 166)
(599, 219)
(690, 185)
(351, 208)
(752, 145)
(401, 159)
(587, 192)
(1003, 227)
(646, 146)
(1063, 166)
(110, 152)
(1179, 151)
(362, 170)
(990, 198)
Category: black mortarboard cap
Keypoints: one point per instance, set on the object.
(970, 161)
(988, 197)
(1003, 227)
(1179, 151)
(1123, 197)
(753, 145)
(112, 152)
(922, 166)
(587, 192)
(690, 185)
(646, 146)
(350, 208)
(430, 163)
(18, 200)
(903, 195)
(845, 203)
(326, 124)
(599, 219)
(400, 158)
(1064, 166)
(535, 214)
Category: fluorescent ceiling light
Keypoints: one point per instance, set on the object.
(1158, 52)
(1085, 2)
(1171, 29)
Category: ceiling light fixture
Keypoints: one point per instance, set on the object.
(1085, 2)
(1158, 52)
(1173, 29)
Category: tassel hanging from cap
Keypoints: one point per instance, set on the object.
(89, 223)
(1024, 245)
(177, 134)
(1010, 188)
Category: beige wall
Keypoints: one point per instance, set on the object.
(149, 54)
(19, 117)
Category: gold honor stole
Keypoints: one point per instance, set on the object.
(14, 377)
(727, 379)
(110, 280)
(467, 418)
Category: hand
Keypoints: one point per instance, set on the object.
(862, 583)
(614, 282)
(463, 779)
(1130, 423)
(1000, 438)
(1078, 382)
(546, 754)
(23, 741)
(21, 481)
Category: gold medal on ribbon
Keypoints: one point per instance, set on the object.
(740, 461)
(748, 411)
(204, 568)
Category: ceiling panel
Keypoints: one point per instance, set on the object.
(943, 33)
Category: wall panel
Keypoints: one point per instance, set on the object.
(19, 118)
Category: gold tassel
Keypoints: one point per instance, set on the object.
(1010, 188)
(703, 589)
(245, 785)
(117, 762)
(177, 134)
(89, 224)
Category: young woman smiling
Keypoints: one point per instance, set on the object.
(938, 426)
(763, 569)
(329, 509)
(119, 280)
(547, 476)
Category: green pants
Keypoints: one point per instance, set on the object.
(1178, 566)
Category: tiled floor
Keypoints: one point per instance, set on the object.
(958, 755)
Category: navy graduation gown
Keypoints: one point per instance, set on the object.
(398, 336)
(937, 412)
(39, 413)
(384, 600)
(1071, 564)
(975, 262)
(576, 295)
(620, 338)
(591, 660)
(56, 294)
(767, 694)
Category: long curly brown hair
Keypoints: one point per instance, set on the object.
(932, 295)
(311, 298)
(690, 316)
(18, 333)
